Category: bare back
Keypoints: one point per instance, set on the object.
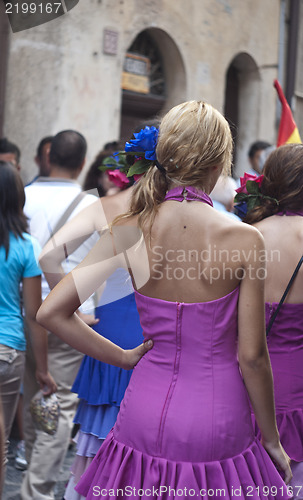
(283, 237)
(196, 253)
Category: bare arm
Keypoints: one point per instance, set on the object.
(57, 311)
(32, 302)
(253, 354)
(68, 239)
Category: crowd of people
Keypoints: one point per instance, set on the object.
(168, 324)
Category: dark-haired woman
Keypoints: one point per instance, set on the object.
(281, 223)
(18, 265)
(184, 426)
(95, 179)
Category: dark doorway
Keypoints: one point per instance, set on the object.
(141, 107)
(231, 109)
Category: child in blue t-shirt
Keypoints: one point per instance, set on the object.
(18, 265)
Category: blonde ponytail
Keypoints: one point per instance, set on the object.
(193, 137)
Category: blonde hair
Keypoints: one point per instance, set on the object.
(193, 137)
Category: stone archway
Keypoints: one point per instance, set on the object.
(242, 106)
(167, 82)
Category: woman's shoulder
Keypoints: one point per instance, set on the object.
(240, 237)
(19, 240)
(268, 222)
(24, 251)
(29, 239)
(283, 234)
(279, 226)
(30, 243)
(239, 229)
(250, 234)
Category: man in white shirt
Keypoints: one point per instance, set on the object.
(50, 202)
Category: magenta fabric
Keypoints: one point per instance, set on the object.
(285, 345)
(185, 422)
(289, 212)
(188, 193)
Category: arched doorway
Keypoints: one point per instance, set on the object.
(242, 106)
(153, 79)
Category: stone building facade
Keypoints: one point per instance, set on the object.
(67, 73)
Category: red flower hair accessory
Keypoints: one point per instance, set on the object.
(249, 191)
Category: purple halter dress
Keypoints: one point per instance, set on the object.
(184, 427)
(285, 346)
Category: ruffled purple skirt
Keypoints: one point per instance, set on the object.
(116, 466)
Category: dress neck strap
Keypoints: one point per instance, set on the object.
(188, 193)
(290, 212)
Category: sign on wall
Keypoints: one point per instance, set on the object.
(110, 42)
(135, 75)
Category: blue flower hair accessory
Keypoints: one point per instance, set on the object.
(143, 148)
(145, 141)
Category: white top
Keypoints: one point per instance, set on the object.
(118, 286)
(221, 208)
(46, 200)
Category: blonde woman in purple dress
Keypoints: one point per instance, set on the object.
(184, 427)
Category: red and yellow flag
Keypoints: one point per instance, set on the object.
(288, 130)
